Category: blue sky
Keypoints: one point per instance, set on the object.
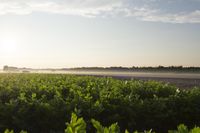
(75, 33)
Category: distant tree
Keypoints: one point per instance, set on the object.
(5, 68)
(161, 67)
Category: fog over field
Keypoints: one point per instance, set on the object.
(129, 74)
(182, 80)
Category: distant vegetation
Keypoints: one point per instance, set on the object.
(122, 69)
(9, 68)
(143, 69)
(42, 103)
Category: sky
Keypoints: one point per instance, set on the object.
(88, 33)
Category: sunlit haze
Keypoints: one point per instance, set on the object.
(59, 33)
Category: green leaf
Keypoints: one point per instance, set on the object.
(182, 129)
(195, 130)
(23, 131)
(8, 131)
(77, 125)
(98, 126)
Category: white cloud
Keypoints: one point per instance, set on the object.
(13, 7)
(89, 8)
(157, 16)
(98, 8)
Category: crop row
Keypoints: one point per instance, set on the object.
(78, 125)
(41, 103)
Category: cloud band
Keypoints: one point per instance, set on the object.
(142, 10)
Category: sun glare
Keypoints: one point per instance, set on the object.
(8, 46)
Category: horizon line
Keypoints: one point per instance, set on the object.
(156, 66)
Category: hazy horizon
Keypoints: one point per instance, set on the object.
(66, 33)
(1, 68)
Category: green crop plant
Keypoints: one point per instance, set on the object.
(77, 125)
(42, 103)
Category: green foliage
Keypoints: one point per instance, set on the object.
(114, 128)
(8, 131)
(11, 131)
(183, 129)
(23, 131)
(41, 103)
(195, 130)
(77, 125)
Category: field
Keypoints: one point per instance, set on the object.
(183, 80)
(43, 103)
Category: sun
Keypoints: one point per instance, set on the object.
(8, 46)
